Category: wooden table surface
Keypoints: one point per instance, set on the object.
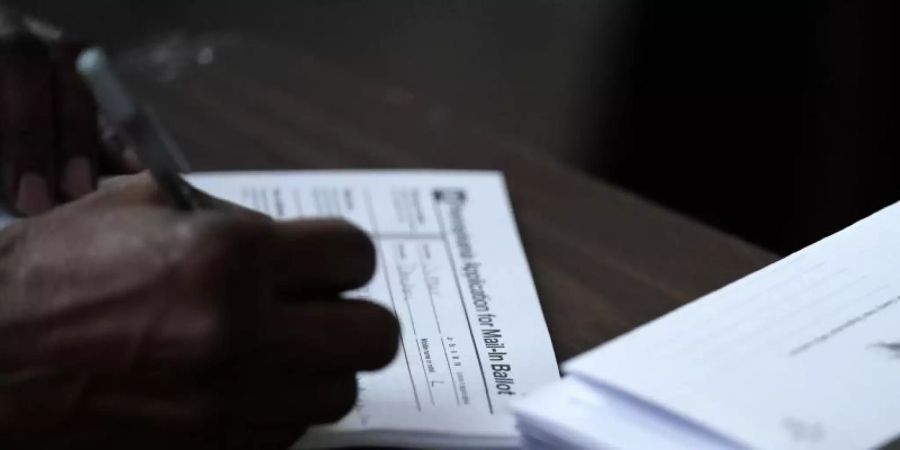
(604, 261)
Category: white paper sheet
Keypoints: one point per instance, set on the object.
(452, 268)
(803, 354)
(577, 414)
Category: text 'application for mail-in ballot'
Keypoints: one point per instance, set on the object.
(452, 268)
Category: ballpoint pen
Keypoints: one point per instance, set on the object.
(139, 128)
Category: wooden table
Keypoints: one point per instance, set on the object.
(605, 261)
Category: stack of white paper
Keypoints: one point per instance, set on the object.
(452, 268)
(803, 354)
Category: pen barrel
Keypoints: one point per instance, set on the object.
(154, 147)
(113, 99)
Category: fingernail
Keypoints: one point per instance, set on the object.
(33, 196)
(77, 178)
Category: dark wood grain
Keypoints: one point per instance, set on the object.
(604, 260)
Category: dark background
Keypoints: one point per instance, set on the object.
(773, 121)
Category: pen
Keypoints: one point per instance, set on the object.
(152, 143)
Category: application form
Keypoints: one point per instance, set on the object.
(453, 270)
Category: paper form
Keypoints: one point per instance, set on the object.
(803, 354)
(572, 414)
(452, 269)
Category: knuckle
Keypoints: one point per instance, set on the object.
(210, 230)
(216, 246)
(201, 241)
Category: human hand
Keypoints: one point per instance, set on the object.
(50, 148)
(126, 324)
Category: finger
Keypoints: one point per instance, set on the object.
(325, 336)
(309, 258)
(125, 190)
(79, 142)
(133, 189)
(114, 155)
(26, 120)
(76, 113)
